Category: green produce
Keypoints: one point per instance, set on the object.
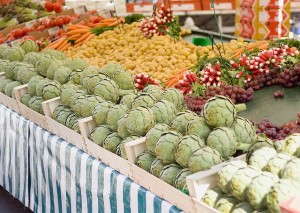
(90, 81)
(90, 70)
(29, 46)
(62, 75)
(223, 140)
(111, 68)
(276, 164)
(220, 111)
(25, 74)
(259, 188)
(54, 66)
(243, 207)
(51, 90)
(140, 121)
(3, 48)
(57, 110)
(241, 180)
(199, 127)
(107, 89)
(212, 196)
(25, 98)
(124, 79)
(13, 54)
(114, 114)
(282, 191)
(74, 97)
(75, 125)
(291, 170)
(32, 58)
(169, 173)
(10, 87)
(204, 159)
(3, 84)
(75, 76)
(166, 146)
(99, 134)
(260, 142)
(32, 84)
(67, 90)
(261, 157)
(291, 144)
(88, 105)
(173, 95)
(3, 64)
(35, 103)
(156, 167)
(100, 112)
(40, 86)
(121, 148)
(76, 63)
(71, 119)
(153, 135)
(186, 147)
(9, 71)
(227, 172)
(144, 160)
(59, 55)
(154, 90)
(244, 131)
(144, 100)
(181, 121)
(164, 111)
(122, 128)
(111, 142)
(63, 115)
(43, 64)
(180, 181)
(128, 99)
(226, 204)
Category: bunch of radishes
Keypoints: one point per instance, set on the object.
(142, 80)
(211, 75)
(186, 84)
(156, 25)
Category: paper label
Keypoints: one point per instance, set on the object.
(53, 31)
(30, 23)
(183, 7)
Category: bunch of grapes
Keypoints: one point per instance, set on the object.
(195, 103)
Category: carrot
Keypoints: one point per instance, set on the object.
(62, 45)
(113, 24)
(65, 47)
(172, 82)
(83, 37)
(82, 31)
(101, 25)
(108, 20)
(78, 26)
(74, 37)
(58, 43)
(88, 38)
(78, 44)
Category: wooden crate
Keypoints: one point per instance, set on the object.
(20, 91)
(200, 182)
(134, 148)
(86, 125)
(50, 105)
(9, 102)
(2, 75)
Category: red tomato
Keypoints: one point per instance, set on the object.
(93, 19)
(18, 33)
(59, 22)
(50, 23)
(2, 40)
(57, 7)
(41, 28)
(67, 19)
(35, 25)
(26, 30)
(48, 6)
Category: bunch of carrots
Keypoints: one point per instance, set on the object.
(79, 35)
(237, 53)
(173, 80)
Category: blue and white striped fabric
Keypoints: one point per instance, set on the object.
(63, 178)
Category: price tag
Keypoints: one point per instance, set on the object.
(53, 31)
(43, 18)
(30, 23)
(80, 10)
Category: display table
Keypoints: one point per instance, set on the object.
(48, 174)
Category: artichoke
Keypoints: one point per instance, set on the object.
(35, 103)
(107, 89)
(226, 204)
(226, 173)
(166, 145)
(3, 84)
(241, 180)
(291, 170)
(78, 104)
(32, 58)
(55, 65)
(180, 181)
(88, 105)
(128, 99)
(140, 120)
(259, 188)
(199, 127)
(124, 79)
(112, 141)
(186, 147)
(114, 114)
(220, 111)
(291, 144)
(181, 121)
(144, 100)
(10, 87)
(154, 90)
(243, 207)
(51, 90)
(76, 63)
(156, 167)
(223, 140)
(91, 81)
(62, 75)
(244, 131)
(174, 96)
(71, 119)
(57, 110)
(260, 142)
(276, 164)
(169, 173)
(121, 127)
(74, 97)
(280, 192)
(144, 160)
(63, 115)
(55, 54)
(212, 196)
(261, 157)
(100, 112)
(66, 91)
(32, 84)
(111, 68)
(153, 135)
(121, 148)
(99, 134)
(89, 71)
(40, 86)
(204, 159)
(25, 98)
(43, 64)
(164, 111)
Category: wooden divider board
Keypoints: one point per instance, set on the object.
(50, 105)
(9, 102)
(86, 125)
(2, 75)
(20, 91)
(134, 148)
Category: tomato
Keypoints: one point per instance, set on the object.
(18, 33)
(49, 6)
(41, 28)
(2, 40)
(57, 7)
(93, 19)
(50, 23)
(59, 22)
(26, 30)
(35, 25)
(67, 19)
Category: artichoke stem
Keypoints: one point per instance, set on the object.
(240, 107)
(243, 147)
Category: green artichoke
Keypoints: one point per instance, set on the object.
(164, 111)
(156, 167)
(291, 144)
(243, 207)
(25, 98)
(32, 58)
(220, 111)
(78, 104)
(66, 91)
(124, 79)
(180, 181)
(71, 119)
(169, 173)
(51, 90)
(88, 105)
(99, 134)
(75, 96)
(43, 64)
(62, 74)
(181, 121)
(291, 170)
(173, 95)
(166, 145)
(260, 142)
(122, 128)
(276, 164)
(226, 173)
(212, 196)
(144, 100)
(128, 99)
(55, 54)
(241, 180)
(89, 71)
(261, 157)
(90, 81)
(204, 159)
(32, 84)
(55, 65)
(107, 89)
(114, 114)
(76, 63)
(35, 103)
(111, 142)
(199, 127)
(75, 76)
(244, 131)
(226, 204)
(63, 115)
(100, 112)
(259, 188)
(10, 87)
(121, 148)
(186, 147)
(40, 86)
(153, 135)
(57, 110)
(111, 68)
(144, 160)
(3, 84)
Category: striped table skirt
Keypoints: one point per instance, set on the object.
(48, 174)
